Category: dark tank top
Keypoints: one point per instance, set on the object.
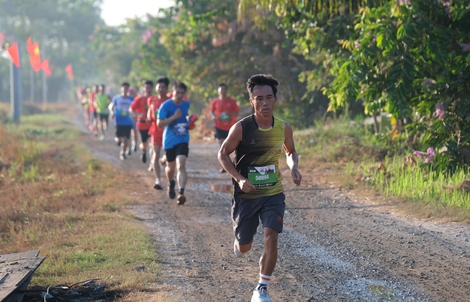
(257, 157)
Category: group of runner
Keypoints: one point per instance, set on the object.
(257, 140)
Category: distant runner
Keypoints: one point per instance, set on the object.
(139, 108)
(119, 107)
(258, 140)
(102, 104)
(134, 134)
(173, 116)
(93, 113)
(155, 132)
(224, 112)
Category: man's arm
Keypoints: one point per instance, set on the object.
(229, 145)
(291, 155)
(161, 123)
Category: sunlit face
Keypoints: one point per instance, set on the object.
(148, 89)
(263, 100)
(124, 90)
(161, 89)
(222, 92)
(178, 94)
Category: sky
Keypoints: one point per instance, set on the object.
(115, 12)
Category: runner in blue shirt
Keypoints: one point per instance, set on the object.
(173, 116)
(119, 108)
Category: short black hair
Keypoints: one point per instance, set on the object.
(163, 80)
(223, 85)
(181, 85)
(262, 80)
(125, 84)
(148, 82)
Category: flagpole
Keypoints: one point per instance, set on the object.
(15, 90)
(31, 79)
(44, 80)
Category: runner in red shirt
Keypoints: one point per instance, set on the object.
(139, 109)
(94, 115)
(224, 112)
(155, 132)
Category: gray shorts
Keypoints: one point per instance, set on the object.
(246, 214)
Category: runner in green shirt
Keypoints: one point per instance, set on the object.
(102, 103)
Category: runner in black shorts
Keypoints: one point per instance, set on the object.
(258, 194)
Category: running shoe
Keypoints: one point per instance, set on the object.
(171, 192)
(102, 137)
(143, 157)
(129, 151)
(181, 199)
(260, 295)
(122, 156)
(158, 185)
(235, 249)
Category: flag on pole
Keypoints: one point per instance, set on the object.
(46, 68)
(34, 54)
(69, 71)
(14, 54)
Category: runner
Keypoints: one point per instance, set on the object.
(139, 108)
(119, 107)
(173, 116)
(224, 112)
(134, 134)
(258, 141)
(155, 132)
(102, 104)
(93, 113)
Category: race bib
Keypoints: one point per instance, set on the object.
(180, 129)
(224, 117)
(262, 176)
(123, 113)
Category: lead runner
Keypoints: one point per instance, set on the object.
(258, 193)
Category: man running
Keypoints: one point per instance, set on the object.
(173, 116)
(139, 108)
(224, 112)
(119, 107)
(102, 104)
(155, 132)
(94, 114)
(258, 141)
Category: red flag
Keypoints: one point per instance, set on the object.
(46, 68)
(35, 57)
(69, 71)
(14, 54)
(1, 37)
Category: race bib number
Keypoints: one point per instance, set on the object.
(180, 129)
(123, 113)
(224, 117)
(262, 176)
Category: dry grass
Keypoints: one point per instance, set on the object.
(56, 198)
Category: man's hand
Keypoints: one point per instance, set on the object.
(296, 176)
(177, 114)
(246, 185)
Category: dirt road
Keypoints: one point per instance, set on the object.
(335, 247)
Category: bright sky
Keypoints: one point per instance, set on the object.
(115, 12)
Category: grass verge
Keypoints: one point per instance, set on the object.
(55, 197)
(350, 154)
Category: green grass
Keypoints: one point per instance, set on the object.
(355, 153)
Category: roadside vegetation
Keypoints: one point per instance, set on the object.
(58, 199)
(349, 152)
